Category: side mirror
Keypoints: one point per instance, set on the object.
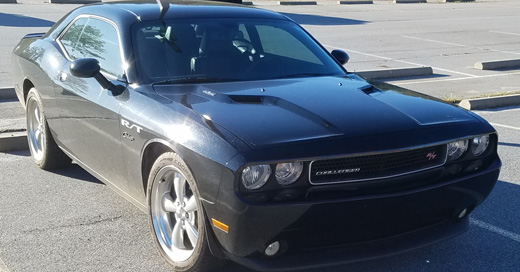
(89, 67)
(340, 56)
(85, 68)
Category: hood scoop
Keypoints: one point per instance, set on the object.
(247, 99)
(369, 90)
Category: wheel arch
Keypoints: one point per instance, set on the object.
(26, 87)
(151, 151)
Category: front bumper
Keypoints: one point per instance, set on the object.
(330, 232)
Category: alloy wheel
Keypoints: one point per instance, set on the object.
(174, 210)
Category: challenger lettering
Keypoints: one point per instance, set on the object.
(337, 172)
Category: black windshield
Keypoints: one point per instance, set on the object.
(232, 49)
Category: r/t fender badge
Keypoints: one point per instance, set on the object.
(131, 126)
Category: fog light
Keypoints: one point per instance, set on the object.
(272, 249)
(463, 213)
(473, 167)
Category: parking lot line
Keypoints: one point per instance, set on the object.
(504, 126)
(461, 45)
(507, 33)
(3, 267)
(495, 229)
(401, 61)
(457, 79)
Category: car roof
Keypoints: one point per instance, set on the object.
(149, 10)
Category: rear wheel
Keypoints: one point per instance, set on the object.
(44, 150)
(177, 217)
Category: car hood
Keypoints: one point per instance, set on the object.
(266, 113)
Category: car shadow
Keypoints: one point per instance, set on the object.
(15, 20)
(19, 153)
(72, 171)
(76, 172)
(308, 19)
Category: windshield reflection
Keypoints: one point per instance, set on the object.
(217, 50)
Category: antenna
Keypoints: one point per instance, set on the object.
(164, 5)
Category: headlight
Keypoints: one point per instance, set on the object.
(255, 176)
(287, 173)
(456, 149)
(479, 145)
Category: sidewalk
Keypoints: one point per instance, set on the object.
(12, 122)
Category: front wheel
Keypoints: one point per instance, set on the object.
(44, 150)
(177, 217)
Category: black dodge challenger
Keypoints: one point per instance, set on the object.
(245, 140)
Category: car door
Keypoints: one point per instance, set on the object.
(89, 114)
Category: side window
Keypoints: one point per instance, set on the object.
(275, 40)
(70, 39)
(245, 34)
(94, 38)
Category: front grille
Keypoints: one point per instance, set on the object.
(369, 167)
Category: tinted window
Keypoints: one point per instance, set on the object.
(70, 39)
(94, 38)
(222, 49)
(276, 40)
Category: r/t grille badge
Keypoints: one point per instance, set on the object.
(431, 156)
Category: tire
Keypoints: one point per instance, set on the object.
(178, 227)
(44, 150)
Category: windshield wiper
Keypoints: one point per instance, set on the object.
(304, 75)
(193, 79)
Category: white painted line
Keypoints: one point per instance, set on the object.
(3, 267)
(505, 126)
(511, 235)
(507, 33)
(401, 61)
(461, 45)
(429, 40)
(457, 79)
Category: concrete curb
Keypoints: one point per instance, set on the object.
(393, 73)
(7, 93)
(409, 1)
(10, 141)
(72, 1)
(354, 2)
(498, 64)
(297, 3)
(8, 2)
(490, 102)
